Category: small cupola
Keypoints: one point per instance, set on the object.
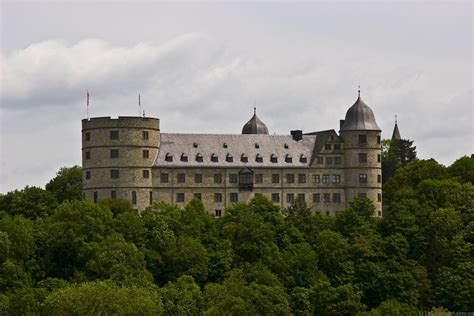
(255, 125)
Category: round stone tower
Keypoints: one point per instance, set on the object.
(362, 155)
(117, 158)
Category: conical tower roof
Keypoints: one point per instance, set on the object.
(360, 117)
(396, 132)
(255, 125)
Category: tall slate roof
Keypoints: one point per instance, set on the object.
(360, 117)
(221, 145)
(396, 132)
(255, 125)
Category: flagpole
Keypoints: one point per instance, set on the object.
(139, 105)
(87, 97)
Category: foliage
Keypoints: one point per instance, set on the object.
(396, 153)
(67, 185)
(80, 258)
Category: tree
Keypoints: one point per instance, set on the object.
(396, 153)
(103, 298)
(67, 185)
(182, 297)
(463, 169)
(31, 202)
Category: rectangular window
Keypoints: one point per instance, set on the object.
(290, 178)
(114, 153)
(164, 178)
(197, 196)
(336, 198)
(275, 178)
(362, 158)
(217, 178)
(316, 178)
(151, 197)
(114, 173)
(327, 197)
(362, 139)
(319, 160)
(218, 213)
(259, 178)
(114, 135)
(301, 197)
(113, 194)
(88, 175)
(88, 136)
(379, 158)
(290, 197)
(179, 197)
(198, 178)
(337, 178)
(337, 146)
(327, 146)
(362, 195)
(362, 178)
(337, 160)
(379, 197)
(378, 139)
(379, 178)
(146, 174)
(146, 153)
(96, 196)
(83, 195)
(276, 197)
(88, 155)
(134, 197)
(233, 178)
(218, 197)
(180, 178)
(145, 135)
(234, 197)
(325, 178)
(316, 198)
(328, 160)
(301, 178)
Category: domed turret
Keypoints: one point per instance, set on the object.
(255, 125)
(360, 117)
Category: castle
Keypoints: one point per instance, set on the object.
(129, 158)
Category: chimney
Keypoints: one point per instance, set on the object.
(341, 123)
(297, 135)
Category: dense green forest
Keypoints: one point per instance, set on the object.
(63, 256)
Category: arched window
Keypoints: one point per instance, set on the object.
(199, 157)
(288, 158)
(184, 157)
(273, 158)
(229, 158)
(214, 158)
(259, 158)
(168, 157)
(244, 158)
(303, 159)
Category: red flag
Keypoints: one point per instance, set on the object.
(87, 97)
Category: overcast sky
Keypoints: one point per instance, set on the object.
(200, 67)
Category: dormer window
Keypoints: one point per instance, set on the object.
(214, 158)
(224, 145)
(303, 159)
(286, 146)
(168, 157)
(257, 145)
(259, 158)
(229, 158)
(199, 157)
(195, 145)
(244, 158)
(273, 158)
(288, 159)
(184, 157)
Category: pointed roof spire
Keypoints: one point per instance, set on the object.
(254, 110)
(396, 132)
(359, 91)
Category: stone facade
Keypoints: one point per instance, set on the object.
(128, 158)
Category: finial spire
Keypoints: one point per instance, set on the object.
(396, 116)
(254, 110)
(358, 91)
